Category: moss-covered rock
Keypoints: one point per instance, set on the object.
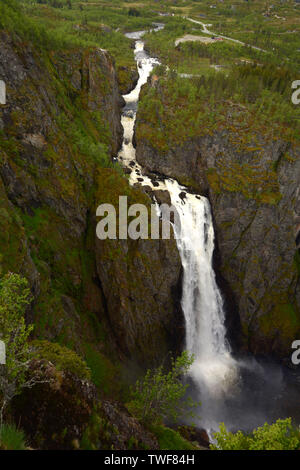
(140, 281)
(64, 359)
(61, 126)
(111, 427)
(54, 414)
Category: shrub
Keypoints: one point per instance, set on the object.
(133, 12)
(63, 358)
(277, 436)
(161, 394)
(14, 298)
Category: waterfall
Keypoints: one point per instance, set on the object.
(127, 153)
(214, 371)
(237, 392)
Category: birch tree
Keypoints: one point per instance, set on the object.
(14, 298)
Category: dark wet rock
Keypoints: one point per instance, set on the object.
(54, 414)
(129, 113)
(163, 197)
(183, 163)
(143, 307)
(147, 190)
(196, 435)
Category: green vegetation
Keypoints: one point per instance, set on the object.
(104, 374)
(280, 435)
(14, 298)
(91, 436)
(160, 395)
(63, 358)
(169, 439)
(228, 85)
(12, 438)
(83, 25)
(250, 106)
(76, 144)
(250, 97)
(194, 57)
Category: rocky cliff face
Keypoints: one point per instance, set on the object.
(141, 282)
(58, 132)
(49, 149)
(253, 188)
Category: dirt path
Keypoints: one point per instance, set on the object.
(205, 30)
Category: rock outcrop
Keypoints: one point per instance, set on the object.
(54, 134)
(141, 282)
(123, 431)
(54, 414)
(62, 409)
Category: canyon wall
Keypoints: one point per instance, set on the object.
(59, 130)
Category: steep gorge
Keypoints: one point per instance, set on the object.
(59, 130)
(115, 303)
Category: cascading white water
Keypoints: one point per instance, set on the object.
(240, 403)
(214, 371)
(127, 153)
